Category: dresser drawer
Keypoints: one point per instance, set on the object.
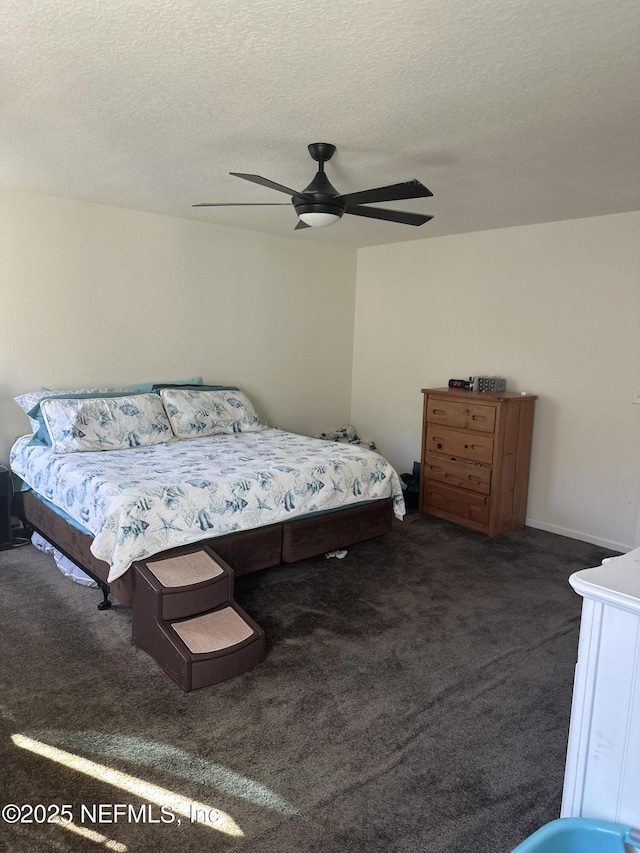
(453, 472)
(461, 415)
(451, 442)
(463, 504)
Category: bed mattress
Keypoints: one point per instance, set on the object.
(145, 500)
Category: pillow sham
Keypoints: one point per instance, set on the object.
(105, 423)
(30, 404)
(199, 413)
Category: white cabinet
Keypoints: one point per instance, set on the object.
(602, 775)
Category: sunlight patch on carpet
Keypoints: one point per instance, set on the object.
(168, 759)
(94, 836)
(176, 803)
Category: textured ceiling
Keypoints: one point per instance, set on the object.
(511, 111)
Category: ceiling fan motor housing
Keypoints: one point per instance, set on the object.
(322, 203)
(318, 207)
(324, 194)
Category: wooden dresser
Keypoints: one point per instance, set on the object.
(475, 457)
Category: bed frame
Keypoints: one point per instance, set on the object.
(246, 551)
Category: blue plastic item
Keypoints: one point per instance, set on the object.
(580, 835)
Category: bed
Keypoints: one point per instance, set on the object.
(198, 466)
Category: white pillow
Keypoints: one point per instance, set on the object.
(106, 423)
(199, 413)
(31, 399)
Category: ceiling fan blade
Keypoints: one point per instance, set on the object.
(402, 216)
(265, 182)
(300, 225)
(394, 192)
(242, 204)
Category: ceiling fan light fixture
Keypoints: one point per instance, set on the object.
(319, 220)
(319, 213)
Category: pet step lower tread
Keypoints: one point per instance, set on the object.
(213, 631)
(209, 648)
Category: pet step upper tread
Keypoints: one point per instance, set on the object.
(185, 569)
(186, 583)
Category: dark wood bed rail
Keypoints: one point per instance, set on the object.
(246, 551)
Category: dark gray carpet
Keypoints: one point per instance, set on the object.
(415, 697)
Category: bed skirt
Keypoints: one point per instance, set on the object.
(246, 551)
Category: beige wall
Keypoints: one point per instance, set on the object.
(554, 308)
(93, 294)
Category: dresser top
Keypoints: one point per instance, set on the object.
(477, 396)
(616, 581)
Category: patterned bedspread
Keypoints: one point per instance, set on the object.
(144, 500)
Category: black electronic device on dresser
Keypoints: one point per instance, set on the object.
(5, 508)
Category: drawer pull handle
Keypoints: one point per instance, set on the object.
(439, 445)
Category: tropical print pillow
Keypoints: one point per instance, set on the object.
(30, 403)
(107, 423)
(194, 414)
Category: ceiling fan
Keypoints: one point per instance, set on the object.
(320, 204)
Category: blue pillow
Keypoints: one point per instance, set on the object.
(196, 387)
(148, 387)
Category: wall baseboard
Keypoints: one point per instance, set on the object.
(578, 534)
